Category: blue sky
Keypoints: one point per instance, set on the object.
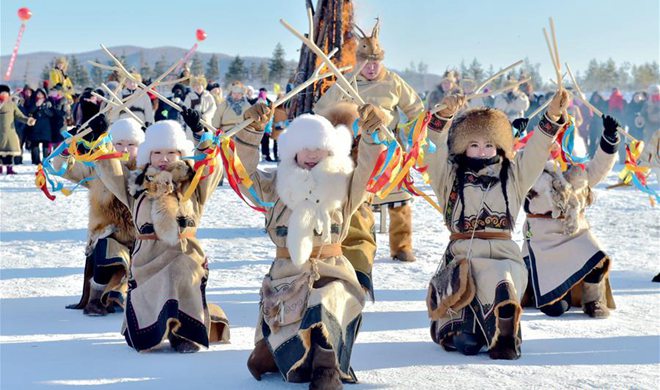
(440, 33)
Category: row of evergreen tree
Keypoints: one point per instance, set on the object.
(599, 75)
(274, 70)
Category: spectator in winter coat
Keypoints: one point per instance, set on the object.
(597, 101)
(200, 100)
(179, 93)
(232, 109)
(447, 84)
(634, 118)
(514, 103)
(61, 110)
(9, 142)
(141, 107)
(58, 76)
(651, 112)
(39, 135)
(25, 105)
(216, 92)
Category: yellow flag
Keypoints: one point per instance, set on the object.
(276, 88)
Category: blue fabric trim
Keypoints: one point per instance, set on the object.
(562, 289)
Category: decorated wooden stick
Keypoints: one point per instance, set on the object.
(341, 79)
(315, 77)
(496, 75)
(119, 104)
(580, 95)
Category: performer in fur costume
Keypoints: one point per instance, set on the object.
(311, 299)
(389, 92)
(110, 231)
(566, 264)
(474, 298)
(169, 270)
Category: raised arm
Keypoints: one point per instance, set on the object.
(247, 143)
(529, 163)
(439, 167)
(371, 121)
(605, 158)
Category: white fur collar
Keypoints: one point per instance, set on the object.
(312, 195)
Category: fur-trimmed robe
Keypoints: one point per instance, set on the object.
(110, 239)
(336, 300)
(497, 266)
(168, 275)
(560, 251)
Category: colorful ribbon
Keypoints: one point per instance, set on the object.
(635, 174)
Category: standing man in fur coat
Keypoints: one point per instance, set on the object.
(110, 233)
(567, 266)
(385, 89)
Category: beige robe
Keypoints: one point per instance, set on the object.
(558, 262)
(497, 266)
(336, 300)
(167, 282)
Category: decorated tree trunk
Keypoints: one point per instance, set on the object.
(333, 25)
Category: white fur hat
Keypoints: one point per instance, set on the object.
(310, 131)
(127, 129)
(166, 134)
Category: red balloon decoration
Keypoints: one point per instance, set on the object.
(24, 14)
(201, 34)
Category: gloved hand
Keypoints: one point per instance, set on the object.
(260, 113)
(558, 105)
(520, 125)
(192, 119)
(452, 104)
(99, 126)
(609, 129)
(370, 117)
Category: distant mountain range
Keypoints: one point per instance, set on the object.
(28, 67)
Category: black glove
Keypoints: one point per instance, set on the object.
(610, 135)
(192, 119)
(520, 125)
(609, 128)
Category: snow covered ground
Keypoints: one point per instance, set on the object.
(43, 345)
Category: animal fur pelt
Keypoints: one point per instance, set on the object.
(568, 193)
(312, 195)
(107, 215)
(165, 189)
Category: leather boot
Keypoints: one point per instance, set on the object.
(182, 345)
(261, 360)
(468, 343)
(593, 298)
(505, 346)
(325, 374)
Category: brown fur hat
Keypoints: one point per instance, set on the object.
(368, 47)
(484, 122)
